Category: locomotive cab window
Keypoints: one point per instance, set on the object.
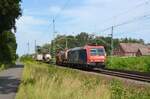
(97, 51)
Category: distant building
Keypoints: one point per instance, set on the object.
(132, 49)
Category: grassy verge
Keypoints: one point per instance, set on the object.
(4, 66)
(41, 81)
(131, 63)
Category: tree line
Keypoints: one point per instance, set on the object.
(10, 11)
(62, 42)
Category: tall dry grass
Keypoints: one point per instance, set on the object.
(41, 81)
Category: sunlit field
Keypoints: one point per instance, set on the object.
(141, 64)
(43, 81)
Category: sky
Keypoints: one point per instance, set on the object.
(75, 16)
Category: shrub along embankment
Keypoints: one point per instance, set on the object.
(5, 66)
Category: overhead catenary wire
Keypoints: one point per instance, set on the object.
(61, 10)
(121, 24)
(126, 22)
(122, 13)
(128, 10)
(135, 7)
(57, 15)
(125, 12)
(133, 20)
(54, 20)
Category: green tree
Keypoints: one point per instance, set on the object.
(46, 48)
(131, 40)
(83, 38)
(39, 49)
(8, 47)
(9, 11)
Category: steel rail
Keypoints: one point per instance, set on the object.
(124, 75)
(138, 76)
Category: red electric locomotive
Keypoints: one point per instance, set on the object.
(89, 55)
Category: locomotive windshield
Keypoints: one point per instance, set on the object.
(97, 51)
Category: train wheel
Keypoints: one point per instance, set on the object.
(100, 65)
(103, 66)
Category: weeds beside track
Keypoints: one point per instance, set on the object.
(42, 81)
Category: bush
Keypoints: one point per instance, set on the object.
(8, 47)
(25, 58)
(1, 66)
(5, 66)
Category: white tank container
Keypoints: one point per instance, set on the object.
(39, 57)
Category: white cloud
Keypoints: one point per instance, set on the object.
(50, 11)
(28, 30)
(31, 20)
(54, 9)
(95, 15)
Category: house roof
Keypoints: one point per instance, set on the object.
(148, 46)
(144, 51)
(131, 47)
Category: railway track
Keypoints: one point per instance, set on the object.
(138, 76)
(125, 74)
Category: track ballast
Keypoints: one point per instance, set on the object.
(134, 75)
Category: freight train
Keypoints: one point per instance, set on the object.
(87, 56)
(42, 57)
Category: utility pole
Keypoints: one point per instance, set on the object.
(66, 43)
(53, 45)
(112, 42)
(54, 28)
(35, 47)
(112, 45)
(28, 46)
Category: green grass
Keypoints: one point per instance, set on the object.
(1, 66)
(41, 81)
(26, 58)
(4, 66)
(141, 64)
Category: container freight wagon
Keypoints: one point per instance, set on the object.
(42, 57)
